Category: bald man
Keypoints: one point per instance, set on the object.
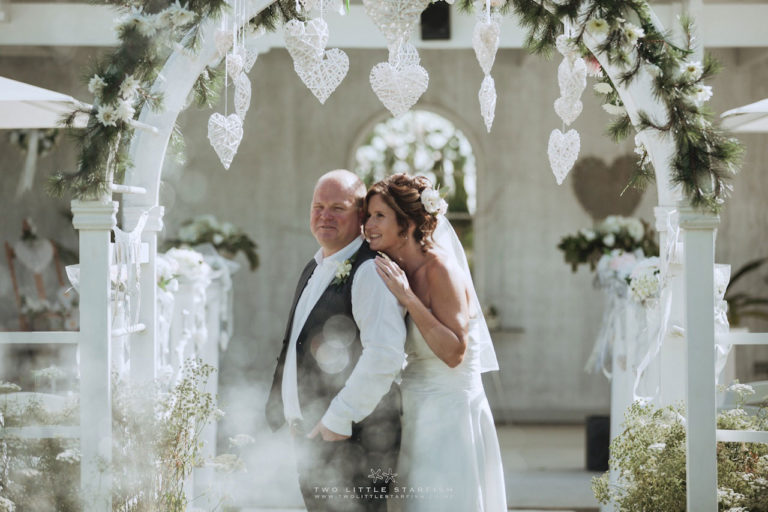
(342, 350)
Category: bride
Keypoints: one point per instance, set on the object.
(449, 456)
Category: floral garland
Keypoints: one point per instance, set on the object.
(149, 31)
(615, 233)
(705, 158)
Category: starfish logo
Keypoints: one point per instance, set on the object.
(385, 476)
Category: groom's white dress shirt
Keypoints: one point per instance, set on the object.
(379, 317)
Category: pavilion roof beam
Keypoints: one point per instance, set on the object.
(721, 25)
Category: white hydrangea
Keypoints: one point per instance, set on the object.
(609, 239)
(611, 224)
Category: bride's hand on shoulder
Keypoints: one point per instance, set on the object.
(395, 279)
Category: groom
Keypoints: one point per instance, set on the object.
(342, 349)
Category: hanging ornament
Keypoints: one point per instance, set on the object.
(234, 64)
(223, 40)
(396, 19)
(35, 254)
(563, 150)
(572, 77)
(305, 41)
(398, 88)
(487, 96)
(323, 76)
(242, 95)
(403, 55)
(567, 47)
(568, 109)
(225, 134)
(249, 58)
(485, 41)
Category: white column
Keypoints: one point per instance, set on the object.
(143, 349)
(95, 220)
(699, 240)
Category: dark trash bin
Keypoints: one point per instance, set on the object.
(598, 441)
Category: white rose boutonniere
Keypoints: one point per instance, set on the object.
(342, 272)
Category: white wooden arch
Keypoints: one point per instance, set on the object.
(148, 149)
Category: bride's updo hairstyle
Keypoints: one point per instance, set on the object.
(402, 193)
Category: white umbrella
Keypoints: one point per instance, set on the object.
(752, 118)
(24, 106)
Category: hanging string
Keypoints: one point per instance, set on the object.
(488, 10)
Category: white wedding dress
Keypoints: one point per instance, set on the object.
(449, 455)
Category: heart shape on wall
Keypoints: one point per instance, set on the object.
(598, 186)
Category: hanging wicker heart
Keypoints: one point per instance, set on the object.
(225, 134)
(398, 89)
(563, 150)
(572, 77)
(403, 55)
(35, 254)
(485, 41)
(566, 47)
(242, 95)
(568, 109)
(234, 65)
(306, 41)
(324, 76)
(487, 97)
(223, 41)
(251, 54)
(396, 19)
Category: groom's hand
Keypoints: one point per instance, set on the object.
(328, 435)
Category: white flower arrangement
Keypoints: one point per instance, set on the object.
(191, 264)
(632, 32)
(129, 88)
(124, 110)
(598, 27)
(645, 280)
(433, 203)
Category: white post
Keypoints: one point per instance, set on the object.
(699, 239)
(143, 350)
(95, 220)
(672, 354)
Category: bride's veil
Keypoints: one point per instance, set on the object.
(446, 239)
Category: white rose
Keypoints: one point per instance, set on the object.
(609, 240)
(432, 202)
(636, 229)
(588, 234)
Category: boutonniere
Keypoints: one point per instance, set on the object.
(342, 271)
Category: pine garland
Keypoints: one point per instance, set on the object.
(705, 158)
(121, 80)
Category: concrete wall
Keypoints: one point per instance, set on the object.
(549, 315)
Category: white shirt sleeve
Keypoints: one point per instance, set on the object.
(382, 333)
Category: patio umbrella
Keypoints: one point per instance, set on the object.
(752, 118)
(24, 106)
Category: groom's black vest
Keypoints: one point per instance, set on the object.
(327, 350)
